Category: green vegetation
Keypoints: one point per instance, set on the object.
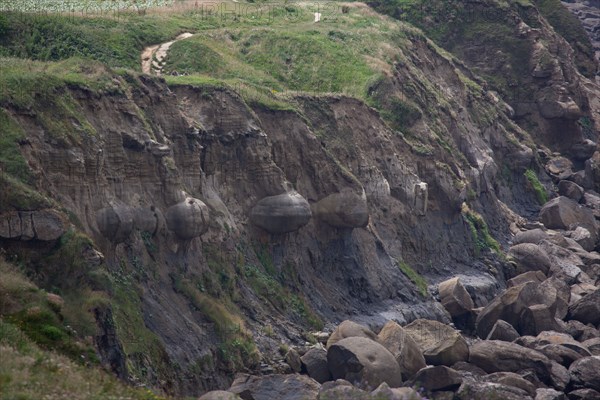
(28, 371)
(414, 276)
(539, 189)
(479, 232)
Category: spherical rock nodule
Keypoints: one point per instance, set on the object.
(115, 222)
(358, 359)
(283, 213)
(188, 219)
(343, 210)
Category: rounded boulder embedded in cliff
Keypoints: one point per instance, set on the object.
(188, 219)
(283, 213)
(343, 210)
(115, 222)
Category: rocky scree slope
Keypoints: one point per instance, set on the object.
(212, 227)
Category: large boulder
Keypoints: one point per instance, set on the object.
(350, 329)
(437, 377)
(497, 356)
(188, 219)
(268, 387)
(511, 304)
(283, 213)
(549, 394)
(532, 236)
(586, 309)
(504, 331)
(585, 373)
(584, 394)
(45, 225)
(531, 276)
(407, 352)
(362, 360)
(570, 189)
(564, 213)
(583, 237)
(115, 222)
(511, 379)
(343, 210)
(441, 344)
(455, 298)
(341, 389)
(529, 257)
(538, 318)
(314, 363)
(470, 390)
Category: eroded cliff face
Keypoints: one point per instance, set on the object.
(215, 224)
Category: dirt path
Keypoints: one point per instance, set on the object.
(153, 57)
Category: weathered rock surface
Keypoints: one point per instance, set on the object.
(455, 297)
(358, 359)
(407, 352)
(504, 331)
(283, 213)
(219, 395)
(530, 257)
(438, 377)
(188, 219)
(530, 276)
(585, 373)
(489, 390)
(115, 222)
(531, 236)
(43, 225)
(511, 379)
(350, 329)
(586, 309)
(441, 345)
(268, 387)
(314, 363)
(570, 189)
(564, 213)
(343, 210)
(549, 394)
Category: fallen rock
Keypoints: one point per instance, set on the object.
(489, 390)
(593, 345)
(268, 387)
(529, 257)
(504, 331)
(585, 373)
(498, 356)
(283, 213)
(436, 378)
(583, 237)
(530, 276)
(441, 345)
(549, 394)
(358, 359)
(350, 329)
(455, 298)
(314, 363)
(564, 213)
(536, 319)
(584, 394)
(384, 392)
(343, 210)
(188, 219)
(511, 379)
(292, 358)
(561, 354)
(219, 395)
(570, 189)
(403, 347)
(586, 309)
(583, 150)
(341, 389)
(581, 331)
(532, 236)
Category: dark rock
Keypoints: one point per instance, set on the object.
(584, 394)
(283, 213)
(441, 345)
(343, 210)
(268, 387)
(532, 236)
(559, 167)
(407, 352)
(536, 319)
(559, 376)
(549, 394)
(583, 237)
(292, 358)
(583, 150)
(570, 189)
(188, 219)
(504, 331)
(489, 390)
(581, 331)
(586, 309)
(350, 329)
(439, 377)
(341, 389)
(469, 368)
(529, 257)
(585, 373)
(530, 276)
(115, 222)
(358, 359)
(497, 356)
(384, 392)
(314, 363)
(564, 213)
(511, 379)
(593, 345)
(561, 354)
(455, 298)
